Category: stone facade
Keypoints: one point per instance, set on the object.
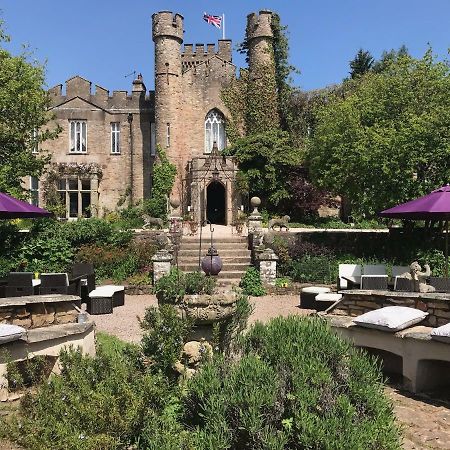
(188, 84)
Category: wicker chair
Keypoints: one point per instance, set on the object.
(374, 282)
(440, 284)
(19, 284)
(403, 284)
(54, 283)
(87, 274)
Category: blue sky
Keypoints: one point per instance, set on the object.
(104, 41)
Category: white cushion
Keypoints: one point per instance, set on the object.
(328, 297)
(10, 333)
(350, 270)
(316, 290)
(374, 269)
(105, 291)
(391, 318)
(441, 333)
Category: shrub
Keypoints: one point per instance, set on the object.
(297, 385)
(171, 287)
(140, 279)
(310, 269)
(96, 403)
(198, 283)
(164, 335)
(251, 283)
(29, 372)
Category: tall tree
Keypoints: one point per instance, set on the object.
(361, 63)
(388, 140)
(23, 117)
(388, 57)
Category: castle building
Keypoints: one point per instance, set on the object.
(104, 155)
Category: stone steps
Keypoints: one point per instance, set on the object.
(233, 250)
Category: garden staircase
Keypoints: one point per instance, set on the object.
(233, 250)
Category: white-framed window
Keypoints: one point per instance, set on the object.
(168, 135)
(152, 139)
(115, 138)
(78, 136)
(35, 148)
(34, 191)
(76, 194)
(214, 130)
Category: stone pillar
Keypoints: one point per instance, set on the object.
(161, 264)
(268, 266)
(255, 218)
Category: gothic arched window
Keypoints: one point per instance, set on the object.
(214, 131)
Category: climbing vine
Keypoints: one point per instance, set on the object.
(164, 173)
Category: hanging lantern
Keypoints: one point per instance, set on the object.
(211, 263)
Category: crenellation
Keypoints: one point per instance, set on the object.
(200, 50)
(225, 49)
(78, 86)
(56, 91)
(259, 25)
(188, 50)
(211, 49)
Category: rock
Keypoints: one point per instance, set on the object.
(42, 315)
(25, 322)
(65, 313)
(195, 351)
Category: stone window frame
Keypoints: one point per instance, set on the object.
(76, 138)
(34, 191)
(215, 117)
(35, 147)
(66, 190)
(115, 138)
(168, 134)
(152, 139)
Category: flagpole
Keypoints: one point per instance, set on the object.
(223, 27)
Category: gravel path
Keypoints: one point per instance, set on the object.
(123, 322)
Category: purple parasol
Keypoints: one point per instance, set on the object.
(433, 206)
(12, 208)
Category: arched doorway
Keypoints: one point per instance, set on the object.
(215, 203)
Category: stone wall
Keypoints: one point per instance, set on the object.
(357, 302)
(35, 314)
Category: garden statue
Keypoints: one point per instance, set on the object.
(282, 222)
(150, 221)
(418, 277)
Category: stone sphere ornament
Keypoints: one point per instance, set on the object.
(211, 263)
(175, 203)
(255, 202)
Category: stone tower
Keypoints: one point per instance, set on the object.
(259, 38)
(168, 37)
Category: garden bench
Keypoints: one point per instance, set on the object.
(103, 299)
(422, 361)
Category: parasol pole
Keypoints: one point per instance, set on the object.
(446, 248)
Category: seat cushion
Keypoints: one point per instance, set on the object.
(315, 290)
(328, 297)
(9, 333)
(441, 333)
(391, 318)
(105, 291)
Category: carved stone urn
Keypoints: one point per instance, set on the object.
(206, 311)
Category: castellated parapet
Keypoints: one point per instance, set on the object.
(78, 87)
(259, 38)
(192, 55)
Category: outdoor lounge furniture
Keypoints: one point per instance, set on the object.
(374, 282)
(399, 270)
(440, 284)
(374, 269)
(54, 283)
(87, 274)
(403, 284)
(421, 361)
(104, 298)
(349, 275)
(308, 296)
(325, 300)
(19, 284)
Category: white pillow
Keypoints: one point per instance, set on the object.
(391, 318)
(441, 333)
(10, 333)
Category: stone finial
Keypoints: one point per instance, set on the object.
(255, 202)
(255, 218)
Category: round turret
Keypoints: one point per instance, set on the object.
(259, 39)
(166, 24)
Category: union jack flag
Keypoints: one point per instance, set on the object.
(213, 20)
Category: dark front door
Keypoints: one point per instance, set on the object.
(215, 203)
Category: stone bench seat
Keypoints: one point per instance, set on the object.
(423, 362)
(103, 299)
(46, 341)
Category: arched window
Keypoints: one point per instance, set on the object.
(214, 130)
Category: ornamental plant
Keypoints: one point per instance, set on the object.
(251, 283)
